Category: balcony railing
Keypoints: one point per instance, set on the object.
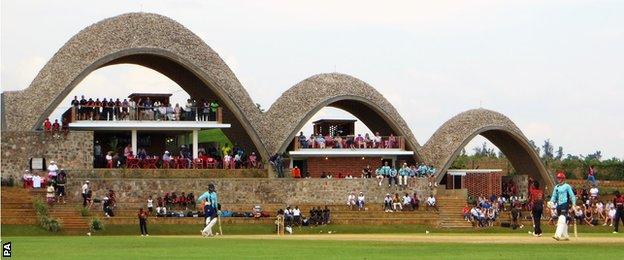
(349, 142)
(74, 114)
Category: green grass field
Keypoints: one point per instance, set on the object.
(234, 247)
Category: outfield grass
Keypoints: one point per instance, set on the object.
(167, 247)
(257, 229)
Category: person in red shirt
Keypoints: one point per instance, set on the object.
(143, 221)
(618, 202)
(296, 173)
(56, 127)
(47, 126)
(537, 199)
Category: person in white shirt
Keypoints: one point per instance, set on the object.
(351, 200)
(52, 169)
(377, 140)
(297, 215)
(150, 205)
(593, 192)
(431, 203)
(360, 201)
(50, 193)
(227, 161)
(407, 201)
(85, 188)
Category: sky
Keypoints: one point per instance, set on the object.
(556, 68)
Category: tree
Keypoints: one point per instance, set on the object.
(548, 150)
(559, 154)
(535, 148)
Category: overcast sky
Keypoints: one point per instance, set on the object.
(556, 68)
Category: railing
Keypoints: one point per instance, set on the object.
(74, 114)
(349, 142)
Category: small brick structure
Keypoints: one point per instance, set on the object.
(341, 165)
(478, 184)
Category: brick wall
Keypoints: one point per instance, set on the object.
(73, 152)
(483, 184)
(344, 165)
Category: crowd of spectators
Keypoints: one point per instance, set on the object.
(227, 158)
(349, 141)
(143, 109)
(295, 217)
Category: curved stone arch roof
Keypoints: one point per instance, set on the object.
(448, 141)
(118, 37)
(299, 103)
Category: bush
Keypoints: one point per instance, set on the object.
(84, 211)
(96, 224)
(50, 224)
(46, 222)
(41, 209)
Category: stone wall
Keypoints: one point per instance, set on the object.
(73, 152)
(344, 165)
(123, 173)
(249, 190)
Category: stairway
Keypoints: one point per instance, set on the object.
(451, 211)
(17, 209)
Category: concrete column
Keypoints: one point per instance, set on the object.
(195, 143)
(134, 142)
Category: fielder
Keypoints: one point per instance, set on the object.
(562, 196)
(211, 209)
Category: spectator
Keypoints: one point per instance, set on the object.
(431, 203)
(361, 200)
(326, 216)
(302, 140)
(388, 203)
(338, 142)
(466, 213)
(214, 108)
(591, 175)
(377, 140)
(143, 222)
(415, 201)
(391, 141)
(320, 141)
(52, 170)
(404, 175)
(379, 175)
(367, 172)
(359, 140)
(392, 176)
(61, 180)
(107, 207)
(85, 188)
(288, 217)
(296, 172)
(297, 215)
(161, 210)
(47, 127)
(407, 202)
(351, 200)
(167, 158)
(50, 193)
(396, 203)
(150, 205)
(593, 193)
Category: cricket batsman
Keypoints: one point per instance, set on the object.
(211, 209)
(564, 198)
